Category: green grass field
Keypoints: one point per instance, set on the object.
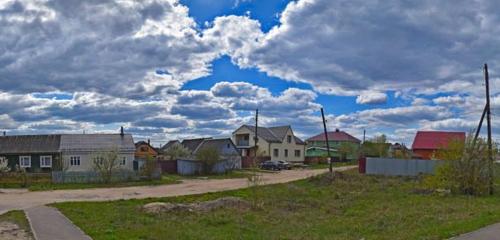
(352, 207)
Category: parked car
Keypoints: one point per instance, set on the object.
(284, 165)
(270, 165)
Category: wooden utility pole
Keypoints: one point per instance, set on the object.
(256, 138)
(488, 122)
(327, 143)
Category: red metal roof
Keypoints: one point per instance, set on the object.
(335, 136)
(435, 139)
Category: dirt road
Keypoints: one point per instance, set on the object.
(15, 199)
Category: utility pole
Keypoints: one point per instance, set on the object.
(364, 135)
(488, 122)
(256, 138)
(327, 143)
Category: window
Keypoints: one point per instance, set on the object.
(45, 161)
(123, 161)
(289, 139)
(99, 160)
(276, 152)
(74, 160)
(144, 149)
(25, 161)
(297, 153)
(286, 152)
(228, 145)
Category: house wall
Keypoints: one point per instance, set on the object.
(291, 147)
(424, 153)
(13, 160)
(263, 145)
(86, 162)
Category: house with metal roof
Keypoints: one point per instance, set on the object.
(343, 146)
(79, 150)
(229, 156)
(35, 153)
(426, 143)
(144, 150)
(278, 143)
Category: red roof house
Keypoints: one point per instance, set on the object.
(339, 136)
(427, 142)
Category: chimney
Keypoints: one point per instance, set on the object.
(121, 131)
(4, 133)
(337, 130)
(149, 142)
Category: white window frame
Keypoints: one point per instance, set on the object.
(73, 160)
(44, 164)
(298, 151)
(123, 161)
(285, 152)
(276, 152)
(21, 162)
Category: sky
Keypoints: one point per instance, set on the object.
(176, 69)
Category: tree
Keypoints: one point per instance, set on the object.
(4, 165)
(208, 157)
(63, 165)
(381, 145)
(344, 149)
(176, 151)
(106, 163)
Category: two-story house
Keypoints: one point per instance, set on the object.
(343, 146)
(278, 143)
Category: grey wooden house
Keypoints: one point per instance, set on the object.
(35, 153)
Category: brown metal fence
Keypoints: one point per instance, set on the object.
(168, 166)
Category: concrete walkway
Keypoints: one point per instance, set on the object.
(47, 223)
(21, 200)
(491, 232)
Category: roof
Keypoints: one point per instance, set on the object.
(273, 134)
(435, 139)
(138, 144)
(169, 144)
(219, 144)
(192, 144)
(29, 144)
(335, 136)
(97, 142)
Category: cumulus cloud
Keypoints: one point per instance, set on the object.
(371, 98)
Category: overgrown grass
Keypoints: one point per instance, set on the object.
(19, 218)
(351, 207)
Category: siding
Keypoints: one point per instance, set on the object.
(13, 160)
(194, 167)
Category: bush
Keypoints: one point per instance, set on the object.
(468, 169)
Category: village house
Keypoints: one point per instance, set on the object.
(426, 143)
(229, 156)
(34, 153)
(68, 152)
(168, 145)
(343, 146)
(278, 143)
(144, 150)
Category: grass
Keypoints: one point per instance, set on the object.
(352, 207)
(47, 185)
(19, 218)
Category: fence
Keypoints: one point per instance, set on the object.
(168, 166)
(400, 167)
(193, 167)
(28, 178)
(247, 162)
(91, 177)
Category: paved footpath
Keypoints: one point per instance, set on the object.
(22, 200)
(47, 223)
(491, 232)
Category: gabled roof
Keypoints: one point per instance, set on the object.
(273, 134)
(340, 136)
(169, 144)
(140, 143)
(435, 139)
(29, 144)
(192, 144)
(96, 142)
(219, 144)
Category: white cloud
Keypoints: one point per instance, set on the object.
(371, 98)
